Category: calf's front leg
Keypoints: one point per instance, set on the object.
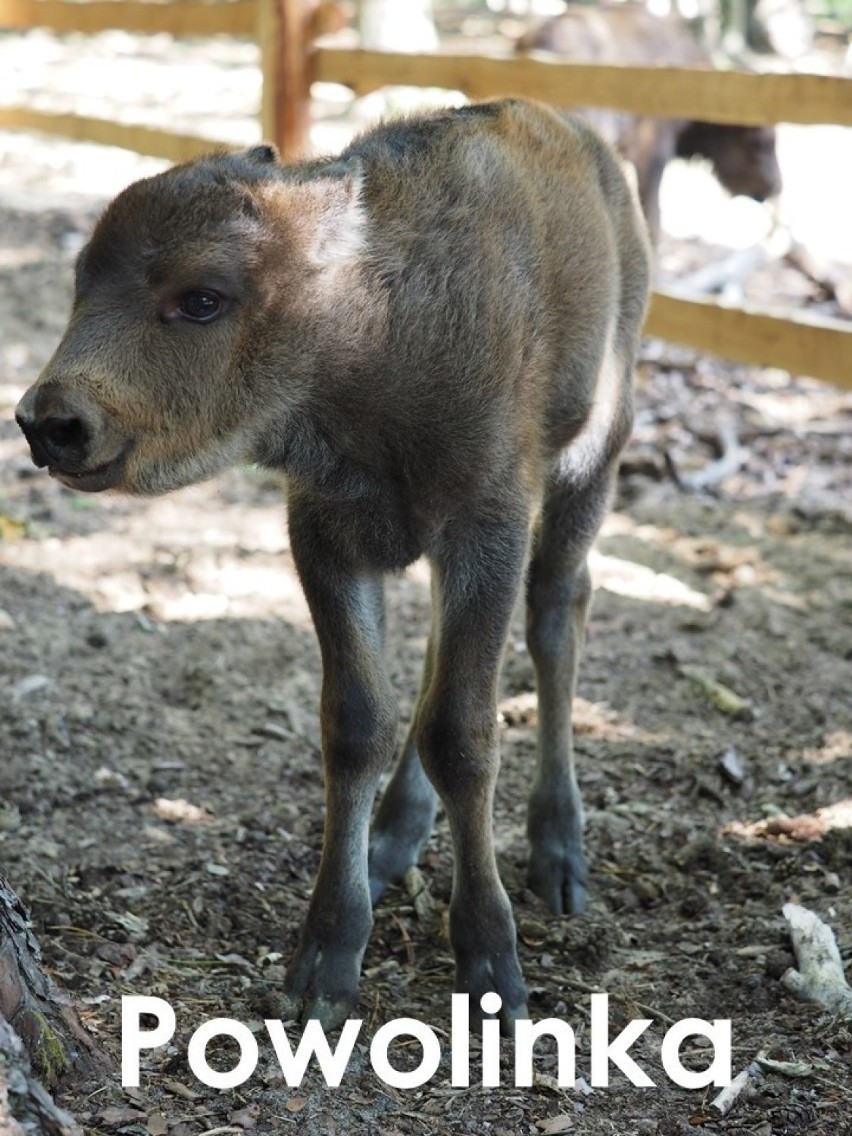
(476, 579)
(358, 722)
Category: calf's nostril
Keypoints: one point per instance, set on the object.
(64, 433)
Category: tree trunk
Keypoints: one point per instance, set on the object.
(26, 1107)
(40, 1034)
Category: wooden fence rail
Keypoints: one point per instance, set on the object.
(144, 17)
(804, 344)
(673, 92)
(291, 59)
(156, 143)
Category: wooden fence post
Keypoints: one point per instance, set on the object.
(285, 31)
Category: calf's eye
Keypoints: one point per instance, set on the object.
(200, 307)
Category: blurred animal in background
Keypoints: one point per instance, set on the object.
(743, 158)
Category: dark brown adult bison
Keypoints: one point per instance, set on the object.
(742, 157)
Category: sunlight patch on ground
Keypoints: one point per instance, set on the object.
(595, 719)
(234, 589)
(626, 578)
(837, 746)
(722, 562)
(212, 558)
(796, 829)
(789, 410)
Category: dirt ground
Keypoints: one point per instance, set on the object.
(160, 788)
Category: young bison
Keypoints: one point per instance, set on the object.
(433, 337)
(743, 157)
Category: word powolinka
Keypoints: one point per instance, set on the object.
(333, 1063)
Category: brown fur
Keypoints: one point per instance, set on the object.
(433, 337)
(742, 157)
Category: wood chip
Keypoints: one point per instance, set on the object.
(820, 977)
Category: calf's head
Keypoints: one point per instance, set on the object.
(197, 305)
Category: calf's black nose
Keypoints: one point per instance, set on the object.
(64, 435)
(56, 439)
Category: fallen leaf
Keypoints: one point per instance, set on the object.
(118, 1116)
(181, 1090)
(722, 697)
(246, 1117)
(11, 528)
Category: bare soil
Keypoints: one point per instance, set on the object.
(161, 793)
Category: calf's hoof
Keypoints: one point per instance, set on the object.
(559, 877)
(330, 1013)
(496, 988)
(321, 984)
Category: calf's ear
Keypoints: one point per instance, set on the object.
(320, 212)
(340, 222)
(263, 155)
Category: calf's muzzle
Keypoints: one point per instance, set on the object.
(68, 435)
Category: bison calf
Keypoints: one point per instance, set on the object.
(742, 157)
(432, 336)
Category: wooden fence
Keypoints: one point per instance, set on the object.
(293, 56)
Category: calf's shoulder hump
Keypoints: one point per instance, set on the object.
(520, 125)
(512, 145)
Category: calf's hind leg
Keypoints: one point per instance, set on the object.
(558, 597)
(406, 813)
